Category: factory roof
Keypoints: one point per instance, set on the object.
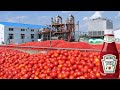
(22, 25)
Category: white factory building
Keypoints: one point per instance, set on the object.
(19, 33)
(97, 24)
(117, 35)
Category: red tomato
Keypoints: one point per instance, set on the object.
(90, 65)
(75, 66)
(95, 69)
(86, 75)
(98, 75)
(82, 77)
(59, 76)
(72, 72)
(71, 77)
(80, 67)
(65, 75)
(82, 62)
(92, 76)
(53, 75)
(85, 70)
(72, 61)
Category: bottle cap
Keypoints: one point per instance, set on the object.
(108, 31)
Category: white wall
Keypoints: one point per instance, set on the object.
(117, 34)
(17, 34)
(97, 25)
(1, 33)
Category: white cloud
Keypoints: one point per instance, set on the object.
(43, 17)
(44, 20)
(96, 14)
(118, 15)
(85, 18)
(16, 19)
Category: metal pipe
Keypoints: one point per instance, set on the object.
(78, 31)
(50, 33)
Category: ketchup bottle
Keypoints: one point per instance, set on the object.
(109, 57)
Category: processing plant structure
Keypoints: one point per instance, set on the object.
(59, 30)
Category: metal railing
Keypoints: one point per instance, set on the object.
(51, 48)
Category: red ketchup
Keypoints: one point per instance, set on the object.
(109, 57)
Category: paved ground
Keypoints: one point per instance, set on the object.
(32, 51)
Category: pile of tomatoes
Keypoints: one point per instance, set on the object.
(64, 44)
(59, 44)
(56, 64)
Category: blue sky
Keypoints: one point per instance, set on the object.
(44, 17)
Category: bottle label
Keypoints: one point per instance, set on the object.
(109, 63)
(109, 39)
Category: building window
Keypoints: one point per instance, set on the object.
(32, 36)
(94, 33)
(102, 32)
(10, 29)
(22, 29)
(99, 33)
(32, 30)
(11, 36)
(39, 36)
(22, 36)
(90, 33)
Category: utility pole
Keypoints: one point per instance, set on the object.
(50, 32)
(78, 31)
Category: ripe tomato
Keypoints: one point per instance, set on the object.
(92, 76)
(65, 64)
(48, 77)
(71, 77)
(59, 76)
(82, 62)
(80, 67)
(65, 75)
(56, 55)
(85, 70)
(96, 60)
(79, 73)
(75, 66)
(90, 65)
(86, 75)
(82, 77)
(53, 74)
(71, 72)
(95, 69)
(86, 67)
(66, 54)
(98, 75)
(42, 76)
(62, 72)
(55, 63)
(64, 68)
(72, 61)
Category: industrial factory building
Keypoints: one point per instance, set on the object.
(96, 26)
(60, 30)
(117, 35)
(16, 33)
(19, 33)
